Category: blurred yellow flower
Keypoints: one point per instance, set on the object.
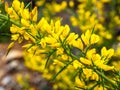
(107, 53)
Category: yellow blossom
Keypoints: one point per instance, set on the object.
(86, 71)
(79, 82)
(64, 57)
(34, 14)
(100, 88)
(43, 43)
(71, 38)
(78, 44)
(71, 3)
(55, 45)
(10, 45)
(90, 53)
(16, 5)
(58, 62)
(43, 25)
(66, 30)
(25, 22)
(59, 51)
(15, 37)
(94, 38)
(100, 64)
(74, 21)
(14, 29)
(40, 2)
(107, 53)
(85, 61)
(6, 6)
(94, 76)
(25, 14)
(96, 57)
(86, 37)
(89, 38)
(76, 64)
(20, 39)
(26, 36)
(33, 30)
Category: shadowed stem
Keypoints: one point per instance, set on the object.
(4, 17)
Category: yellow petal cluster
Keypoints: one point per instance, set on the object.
(53, 49)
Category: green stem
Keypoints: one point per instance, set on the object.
(54, 77)
(4, 17)
(106, 78)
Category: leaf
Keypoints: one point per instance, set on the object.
(54, 77)
(49, 55)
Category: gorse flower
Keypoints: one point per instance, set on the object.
(71, 59)
(89, 38)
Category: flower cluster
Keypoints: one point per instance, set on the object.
(94, 13)
(70, 60)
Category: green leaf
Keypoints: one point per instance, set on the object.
(54, 77)
(49, 55)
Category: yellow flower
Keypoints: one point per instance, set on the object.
(94, 38)
(58, 62)
(96, 57)
(100, 64)
(89, 38)
(57, 26)
(71, 3)
(34, 14)
(43, 43)
(63, 5)
(13, 29)
(55, 45)
(40, 2)
(13, 15)
(90, 53)
(10, 46)
(25, 14)
(107, 53)
(106, 67)
(66, 30)
(85, 61)
(25, 22)
(59, 7)
(6, 6)
(16, 5)
(70, 39)
(86, 37)
(50, 40)
(74, 21)
(76, 64)
(26, 45)
(59, 51)
(26, 36)
(64, 57)
(15, 37)
(87, 73)
(20, 39)
(43, 25)
(94, 76)
(79, 82)
(33, 30)
(100, 88)
(78, 44)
